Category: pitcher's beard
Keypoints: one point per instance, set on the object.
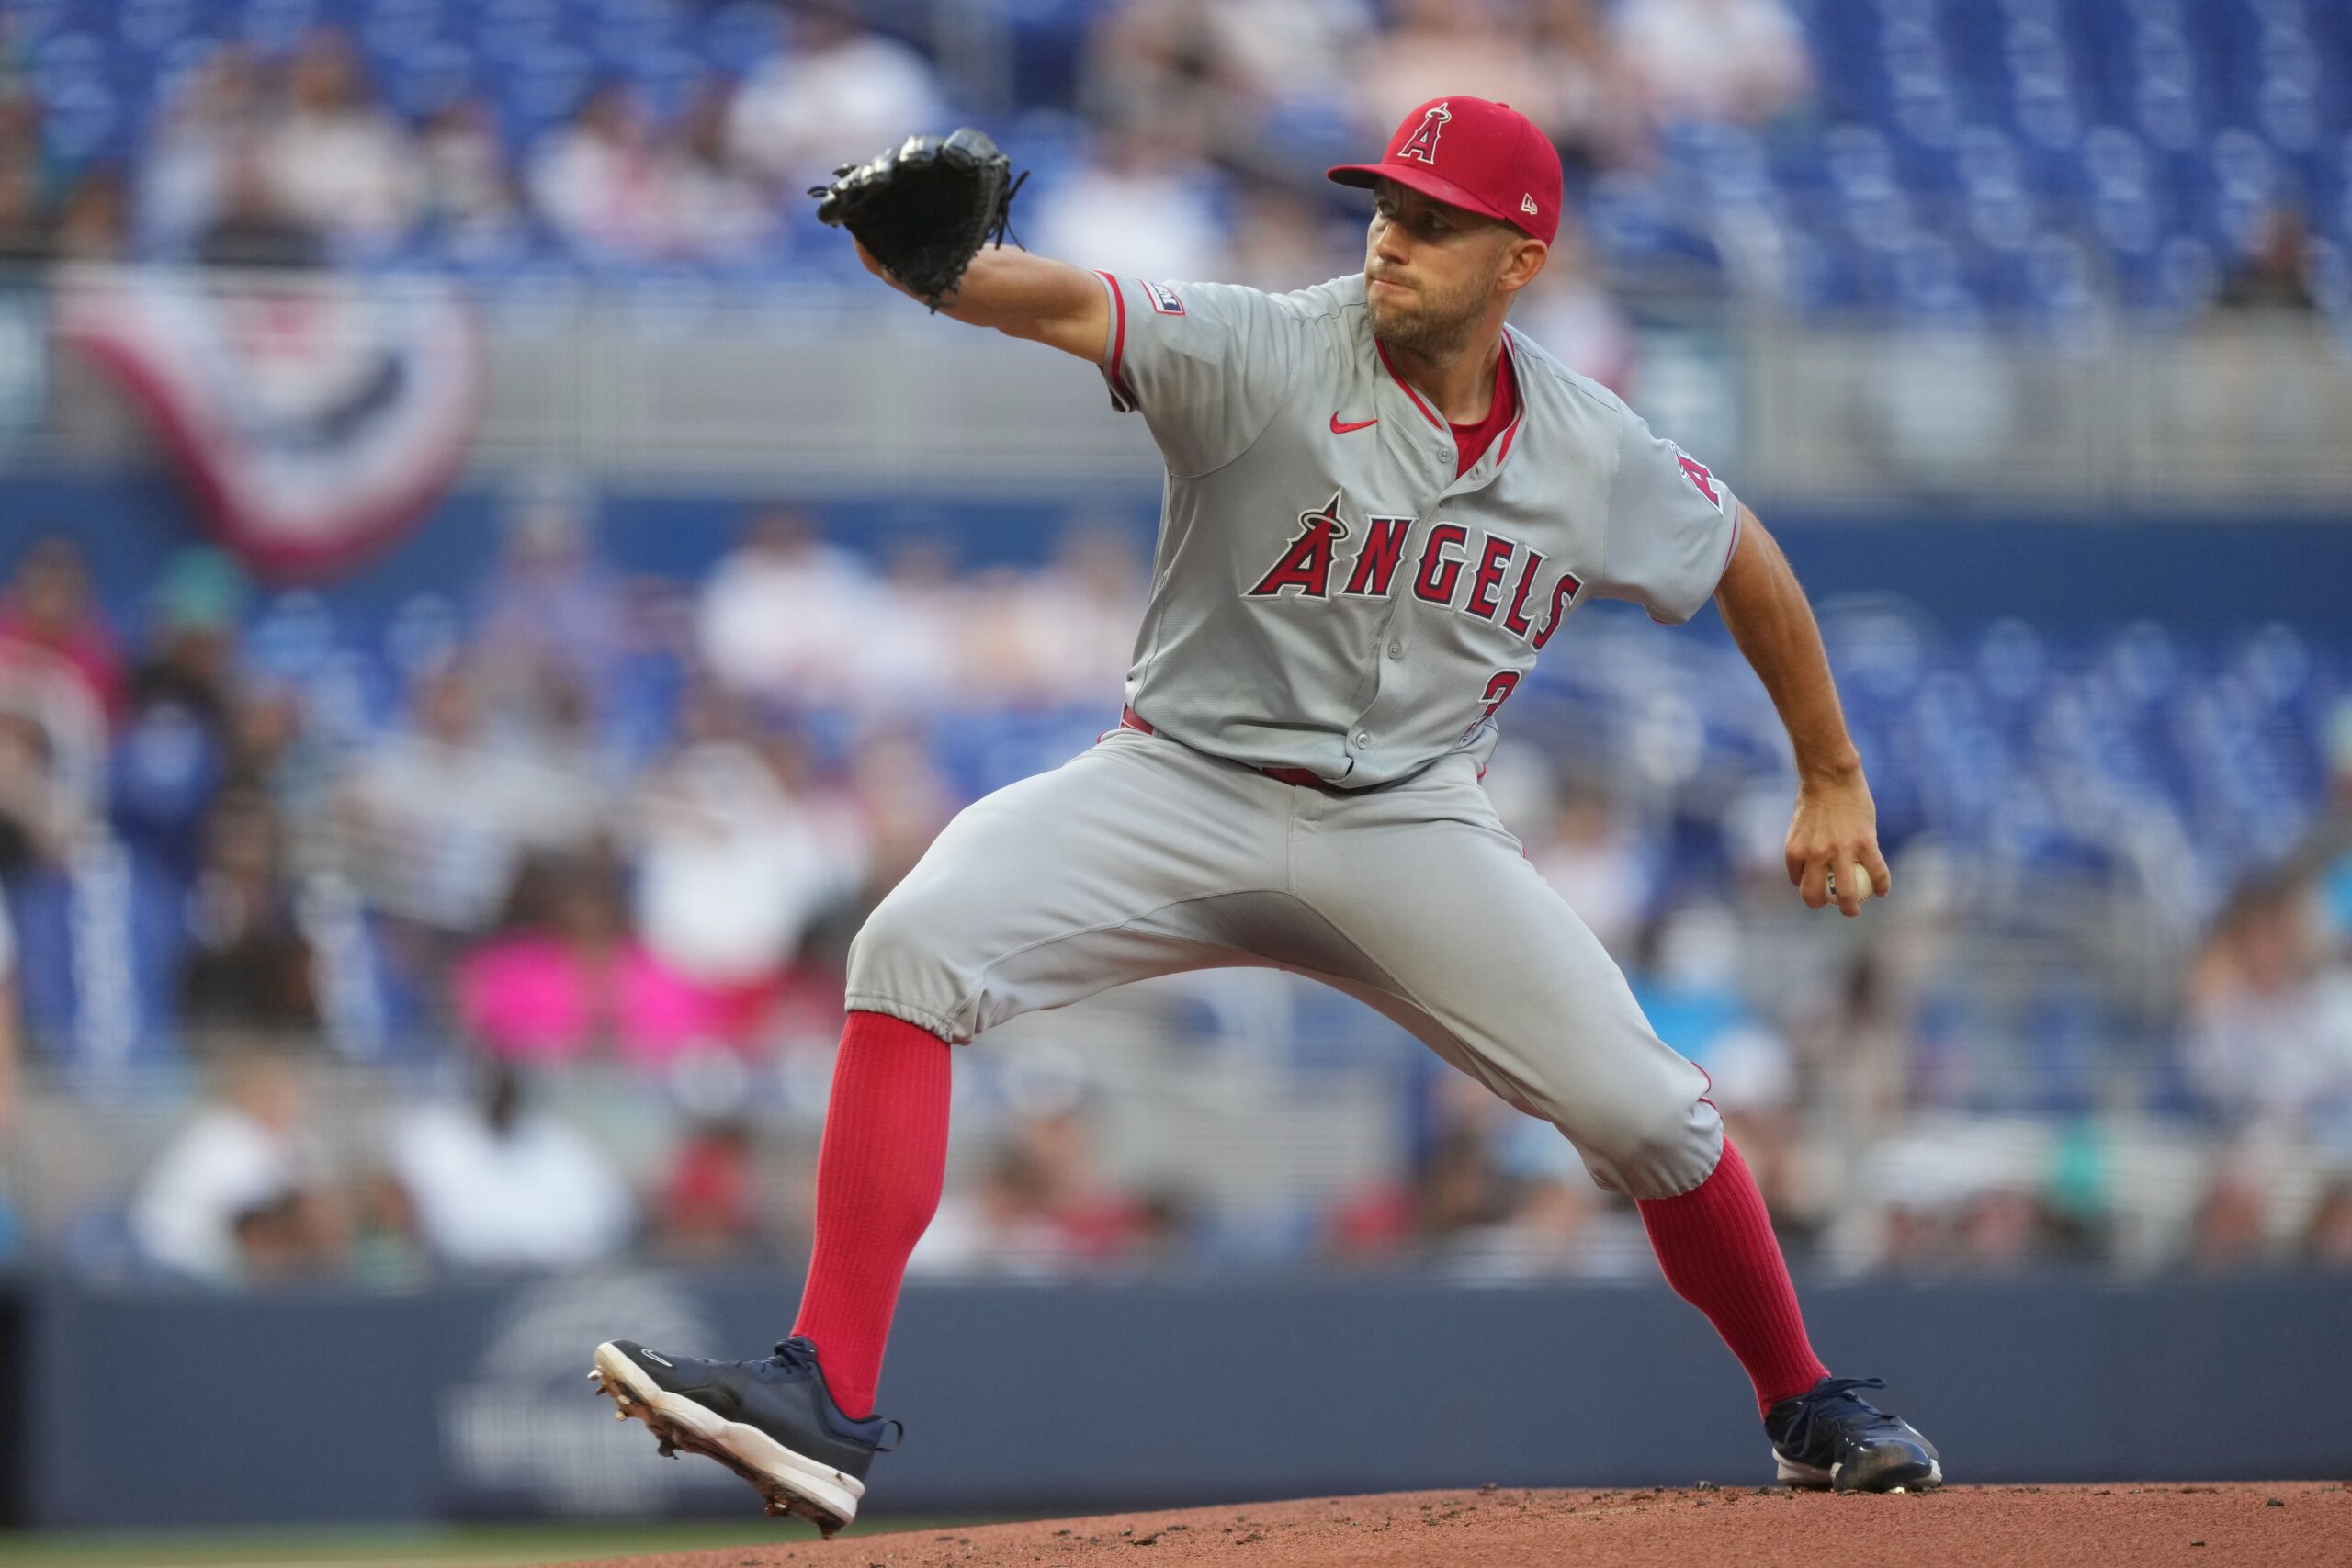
(1422, 331)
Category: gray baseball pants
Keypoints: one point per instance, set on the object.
(1144, 857)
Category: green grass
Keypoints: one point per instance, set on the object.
(468, 1546)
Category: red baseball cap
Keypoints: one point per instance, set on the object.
(1472, 153)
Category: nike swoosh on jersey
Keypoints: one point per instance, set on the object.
(1339, 429)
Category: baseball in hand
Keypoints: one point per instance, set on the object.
(1860, 880)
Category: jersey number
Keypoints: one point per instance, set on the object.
(1498, 692)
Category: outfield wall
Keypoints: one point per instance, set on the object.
(164, 1407)
(2217, 568)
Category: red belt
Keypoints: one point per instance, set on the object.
(1130, 720)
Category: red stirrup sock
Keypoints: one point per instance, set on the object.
(879, 1170)
(1716, 1245)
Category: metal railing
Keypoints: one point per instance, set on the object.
(831, 388)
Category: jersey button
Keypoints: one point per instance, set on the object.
(1395, 650)
(1364, 738)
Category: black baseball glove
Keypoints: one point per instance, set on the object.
(924, 209)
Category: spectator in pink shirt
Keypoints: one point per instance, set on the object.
(48, 616)
(576, 985)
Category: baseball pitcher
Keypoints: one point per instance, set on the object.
(1382, 504)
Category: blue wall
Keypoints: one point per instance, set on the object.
(157, 1408)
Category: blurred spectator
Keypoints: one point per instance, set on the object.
(387, 1253)
(552, 605)
(717, 210)
(203, 129)
(1281, 243)
(781, 614)
(834, 94)
(2270, 1032)
(1589, 109)
(902, 800)
(2231, 1229)
(597, 180)
(1596, 857)
(569, 980)
(50, 618)
(1161, 64)
(174, 746)
(248, 965)
(1214, 73)
(250, 228)
(919, 658)
(11, 1040)
(437, 816)
(1043, 1207)
(24, 178)
(468, 191)
(1556, 1224)
(499, 1184)
(337, 163)
(1436, 47)
(1686, 974)
(2327, 1235)
(274, 750)
(40, 817)
(1072, 626)
(2275, 272)
(733, 869)
(1458, 1187)
(708, 1208)
(196, 612)
(247, 1171)
(94, 220)
(1573, 317)
(1740, 62)
(1458, 1184)
(1140, 203)
(25, 239)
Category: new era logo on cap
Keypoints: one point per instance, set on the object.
(1484, 157)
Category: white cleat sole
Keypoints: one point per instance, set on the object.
(792, 1483)
(1792, 1473)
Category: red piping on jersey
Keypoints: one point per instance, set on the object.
(1118, 336)
(1511, 431)
(1427, 412)
(1518, 388)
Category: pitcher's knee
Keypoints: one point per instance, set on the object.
(901, 963)
(1660, 1157)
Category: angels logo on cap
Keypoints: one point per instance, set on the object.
(1498, 163)
(1422, 144)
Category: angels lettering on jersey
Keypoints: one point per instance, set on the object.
(1491, 579)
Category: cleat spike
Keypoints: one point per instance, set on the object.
(619, 1415)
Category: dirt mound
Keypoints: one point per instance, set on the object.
(2279, 1525)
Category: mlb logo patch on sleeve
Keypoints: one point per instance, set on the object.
(1163, 299)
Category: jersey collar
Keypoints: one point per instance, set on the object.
(1491, 462)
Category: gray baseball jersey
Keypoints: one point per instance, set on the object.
(1331, 602)
(1326, 593)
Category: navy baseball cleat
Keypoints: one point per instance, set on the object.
(774, 1423)
(1831, 1436)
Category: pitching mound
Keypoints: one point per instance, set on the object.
(2278, 1526)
